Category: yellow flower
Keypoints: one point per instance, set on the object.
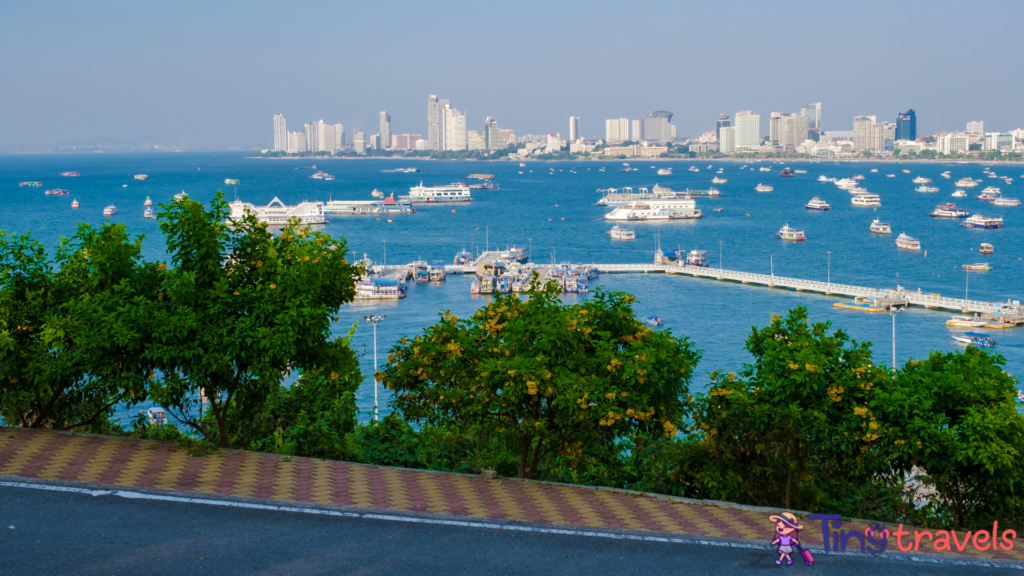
(237, 293)
(334, 375)
(861, 411)
(161, 266)
(794, 366)
(531, 388)
(273, 286)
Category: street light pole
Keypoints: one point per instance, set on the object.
(893, 311)
(531, 250)
(487, 235)
(374, 320)
(720, 255)
(829, 277)
(385, 242)
(967, 286)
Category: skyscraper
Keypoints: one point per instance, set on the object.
(296, 142)
(794, 130)
(723, 122)
(492, 134)
(433, 126)
(654, 128)
(748, 129)
(359, 142)
(813, 114)
(862, 133)
(574, 128)
(906, 125)
(726, 139)
(976, 127)
(443, 110)
(616, 130)
(280, 134)
(775, 127)
(475, 140)
(454, 128)
(339, 136)
(385, 130)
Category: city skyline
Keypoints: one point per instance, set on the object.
(167, 74)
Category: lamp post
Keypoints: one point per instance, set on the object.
(530, 256)
(720, 255)
(967, 285)
(829, 277)
(374, 320)
(385, 243)
(893, 310)
(487, 236)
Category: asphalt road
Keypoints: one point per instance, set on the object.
(73, 533)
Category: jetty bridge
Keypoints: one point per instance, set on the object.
(1005, 313)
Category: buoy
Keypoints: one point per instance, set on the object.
(378, 219)
(748, 215)
(453, 211)
(389, 220)
(556, 205)
(549, 219)
(563, 218)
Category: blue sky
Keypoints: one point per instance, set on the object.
(215, 72)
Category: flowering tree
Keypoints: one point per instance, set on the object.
(558, 379)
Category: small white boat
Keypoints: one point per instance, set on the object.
(110, 210)
(966, 321)
(717, 180)
(904, 242)
(148, 202)
(791, 234)
(966, 183)
(763, 188)
(879, 227)
(817, 204)
(74, 204)
(960, 194)
(922, 180)
(665, 172)
(377, 193)
(619, 233)
(148, 213)
(180, 197)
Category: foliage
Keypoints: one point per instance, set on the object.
(74, 328)
(243, 308)
(389, 442)
(959, 423)
(797, 428)
(561, 380)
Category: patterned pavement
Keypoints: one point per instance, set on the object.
(148, 464)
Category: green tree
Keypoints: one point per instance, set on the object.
(75, 328)
(243, 309)
(557, 380)
(795, 428)
(958, 421)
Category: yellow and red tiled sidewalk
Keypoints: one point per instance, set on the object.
(42, 454)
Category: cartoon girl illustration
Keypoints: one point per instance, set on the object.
(786, 534)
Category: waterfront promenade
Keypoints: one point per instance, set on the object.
(145, 468)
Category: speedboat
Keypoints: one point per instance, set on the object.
(858, 177)
(57, 192)
(879, 227)
(763, 188)
(965, 321)
(817, 204)
(653, 320)
(948, 210)
(791, 234)
(905, 242)
(979, 267)
(975, 339)
(110, 210)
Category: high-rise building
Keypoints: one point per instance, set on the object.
(280, 134)
(327, 140)
(296, 142)
(654, 128)
(359, 142)
(616, 130)
(443, 111)
(374, 142)
(726, 139)
(492, 135)
(309, 142)
(1001, 141)
(574, 128)
(775, 127)
(862, 133)
(748, 129)
(906, 125)
(636, 132)
(405, 141)
(953, 143)
(813, 114)
(723, 122)
(454, 128)
(433, 125)
(976, 127)
(385, 130)
(475, 140)
(339, 136)
(509, 138)
(794, 130)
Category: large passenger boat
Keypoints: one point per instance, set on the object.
(879, 227)
(321, 175)
(966, 183)
(948, 210)
(677, 209)
(904, 242)
(846, 183)
(369, 207)
(922, 180)
(455, 192)
(697, 258)
(866, 200)
(110, 210)
(791, 234)
(926, 189)
(1006, 202)
(277, 214)
(380, 289)
(619, 233)
(763, 188)
(979, 221)
(817, 204)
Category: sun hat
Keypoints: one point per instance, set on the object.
(788, 519)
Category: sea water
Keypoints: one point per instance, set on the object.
(550, 209)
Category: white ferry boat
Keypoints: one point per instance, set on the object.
(368, 207)
(905, 242)
(677, 209)
(857, 190)
(620, 196)
(57, 192)
(817, 204)
(662, 192)
(979, 221)
(697, 258)
(765, 169)
(380, 289)
(846, 183)
(791, 234)
(992, 191)
(986, 197)
(945, 175)
(717, 180)
(148, 213)
(805, 171)
(377, 193)
(948, 210)
(141, 177)
(926, 189)
(694, 169)
(148, 202)
(277, 214)
(879, 227)
(619, 233)
(664, 172)
(455, 192)
(966, 183)
(110, 210)
(321, 175)
(824, 178)
(763, 188)
(922, 180)
(74, 203)
(1006, 202)
(866, 200)
(874, 169)
(959, 194)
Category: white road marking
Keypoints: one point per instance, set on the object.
(475, 524)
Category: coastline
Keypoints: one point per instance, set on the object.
(638, 160)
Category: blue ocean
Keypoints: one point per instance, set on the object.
(550, 208)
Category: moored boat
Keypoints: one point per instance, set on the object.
(231, 181)
(657, 209)
(986, 248)
(966, 322)
(948, 210)
(979, 221)
(922, 180)
(110, 210)
(926, 189)
(148, 202)
(966, 183)
(141, 177)
(817, 204)
(978, 267)
(463, 258)
(57, 192)
(846, 183)
(455, 192)
(905, 242)
(71, 174)
(786, 173)
(866, 200)
(697, 258)
(75, 204)
(321, 175)
(619, 233)
(879, 227)
(380, 289)
(763, 188)
(653, 320)
(664, 172)
(959, 194)
(33, 184)
(717, 180)
(791, 234)
(148, 213)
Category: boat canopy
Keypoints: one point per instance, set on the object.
(385, 282)
(977, 335)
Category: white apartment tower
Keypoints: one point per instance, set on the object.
(433, 126)
(727, 139)
(280, 134)
(359, 142)
(863, 126)
(454, 128)
(296, 142)
(385, 130)
(339, 136)
(492, 134)
(952, 143)
(976, 127)
(574, 128)
(748, 129)
(616, 130)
